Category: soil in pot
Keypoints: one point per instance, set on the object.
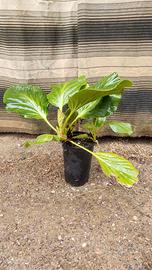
(77, 162)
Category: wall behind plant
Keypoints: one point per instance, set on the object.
(43, 42)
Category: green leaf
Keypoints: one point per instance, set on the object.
(115, 165)
(109, 85)
(90, 126)
(112, 81)
(103, 108)
(42, 139)
(106, 105)
(27, 100)
(93, 126)
(121, 127)
(60, 93)
(81, 136)
(84, 110)
(86, 96)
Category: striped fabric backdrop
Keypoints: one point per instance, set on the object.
(44, 42)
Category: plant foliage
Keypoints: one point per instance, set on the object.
(27, 100)
(77, 100)
(114, 165)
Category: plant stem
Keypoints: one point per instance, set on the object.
(50, 125)
(74, 121)
(66, 121)
(80, 146)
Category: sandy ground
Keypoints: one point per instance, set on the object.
(47, 225)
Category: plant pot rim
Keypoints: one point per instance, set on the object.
(78, 140)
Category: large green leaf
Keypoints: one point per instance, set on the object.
(121, 127)
(60, 93)
(27, 100)
(106, 105)
(102, 88)
(86, 96)
(42, 139)
(84, 110)
(115, 165)
(112, 81)
(103, 107)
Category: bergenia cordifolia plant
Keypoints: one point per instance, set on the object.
(76, 100)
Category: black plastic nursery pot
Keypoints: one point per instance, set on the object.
(77, 162)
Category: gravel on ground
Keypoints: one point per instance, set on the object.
(46, 224)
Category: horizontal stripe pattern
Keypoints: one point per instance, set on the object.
(99, 31)
(48, 41)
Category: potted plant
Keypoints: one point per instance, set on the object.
(77, 100)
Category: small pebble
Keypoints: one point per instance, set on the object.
(84, 245)
(59, 237)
